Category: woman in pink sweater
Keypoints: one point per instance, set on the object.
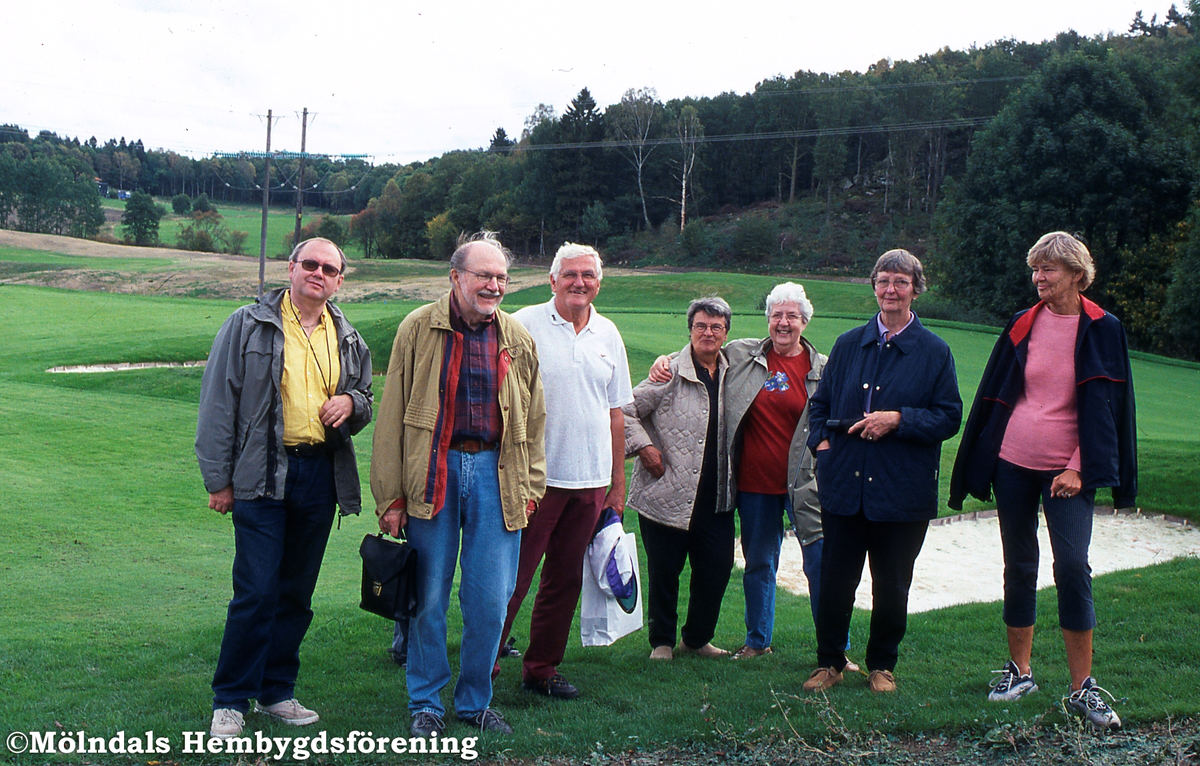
(1053, 420)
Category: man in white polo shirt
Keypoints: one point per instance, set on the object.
(585, 376)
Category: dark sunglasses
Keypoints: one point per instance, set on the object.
(329, 270)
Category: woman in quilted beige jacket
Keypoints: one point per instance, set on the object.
(678, 486)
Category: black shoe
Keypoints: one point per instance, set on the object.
(555, 686)
(510, 648)
(426, 724)
(488, 720)
(399, 659)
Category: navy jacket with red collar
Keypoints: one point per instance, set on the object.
(1104, 400)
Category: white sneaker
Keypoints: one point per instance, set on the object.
(1088, 703)
(226, 723)
(290, 712)
(1011, 685)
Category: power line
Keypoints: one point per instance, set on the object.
(954, 124)
(882, 86)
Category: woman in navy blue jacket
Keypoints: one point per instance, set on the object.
(888, 399)
(1053, 420)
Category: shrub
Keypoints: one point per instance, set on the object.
(235, 242)
(695, 240)
(754, 239)
(202, 205)
(181, 204)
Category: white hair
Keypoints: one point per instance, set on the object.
(572, 250)
(790, 292)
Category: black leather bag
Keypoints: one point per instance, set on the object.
(389, 577)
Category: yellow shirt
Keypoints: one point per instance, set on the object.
(311, 369)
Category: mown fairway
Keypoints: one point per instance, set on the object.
(116, 575)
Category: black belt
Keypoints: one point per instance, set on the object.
(307, 450)
(473, 445)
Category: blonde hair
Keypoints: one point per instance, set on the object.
(1065, 250)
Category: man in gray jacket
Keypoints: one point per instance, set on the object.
(288, 381)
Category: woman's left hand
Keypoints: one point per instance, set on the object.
(875, 425)
(1066, 484)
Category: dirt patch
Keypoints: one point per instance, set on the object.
(212, 275)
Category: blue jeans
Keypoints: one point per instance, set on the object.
(761, 518)
(399, 650)
(1019, 491)
(490, 554)
(278, 547)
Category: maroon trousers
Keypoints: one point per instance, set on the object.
(560, 531)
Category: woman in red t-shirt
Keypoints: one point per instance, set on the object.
(766, 410)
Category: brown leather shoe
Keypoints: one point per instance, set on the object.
(746, 652)
(881, 681)
(708, 651)
(662, 653)
(821, 679)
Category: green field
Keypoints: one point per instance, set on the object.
(281, 222)
(116, 575)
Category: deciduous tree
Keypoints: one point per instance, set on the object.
(141, 218)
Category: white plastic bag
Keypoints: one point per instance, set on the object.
(603, 618)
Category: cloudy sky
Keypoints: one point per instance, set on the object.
(405, 80)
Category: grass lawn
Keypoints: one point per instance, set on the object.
(238, 216)
(116, 575)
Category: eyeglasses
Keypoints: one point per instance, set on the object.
(901, 285)
(701, 328)
(501, 279)
(790, 316)
(328, 269)
(570, 276)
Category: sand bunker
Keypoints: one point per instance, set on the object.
(961, 560)
(122, 366)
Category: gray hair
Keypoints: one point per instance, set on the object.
(1062, 248)
(295, 256)
(714, 306)
(572, 250)
(901, 262)
(463, 245)
(790, 292)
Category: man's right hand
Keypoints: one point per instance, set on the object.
(221, 501)
(660, 371)
(652, 460)
(393, 520)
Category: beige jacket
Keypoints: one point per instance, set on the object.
(408, 453)
(673, 416)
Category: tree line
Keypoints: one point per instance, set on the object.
(963, 156)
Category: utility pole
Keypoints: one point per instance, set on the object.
(266, 184)
(262, 240)
(300, 182)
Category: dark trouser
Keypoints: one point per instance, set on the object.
(892, 548)
(279, 544)
(1019, 491)
(560, 531)
(708, 544)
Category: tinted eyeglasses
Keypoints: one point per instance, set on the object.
(328, 269)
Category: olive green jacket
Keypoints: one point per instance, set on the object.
(412, 438)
